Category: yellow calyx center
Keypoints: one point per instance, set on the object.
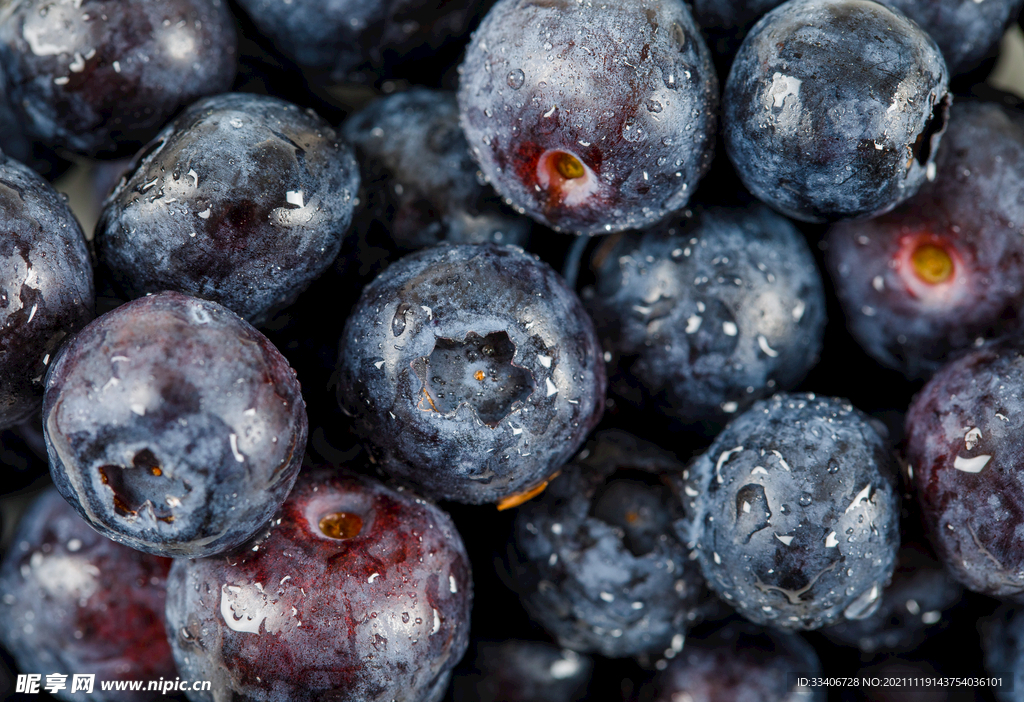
(568, 166)
(932, 264)
(341, 525)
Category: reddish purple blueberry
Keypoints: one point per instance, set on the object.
(353, 593)
(73, 601)
(590, 117)
(945, 270)
(965, 450)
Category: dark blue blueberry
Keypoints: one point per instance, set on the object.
(590, 117)
(419, 185)
(795, 517)
(16, 144)
(945, 270)
(966, 31)
(914, 607)
(73, 601)
(833, 108)
(725, 23)
(596, 560)
(739, 662)
(46, 288)
(354, 593)
(471, 372)
(173, 426)
(523, 671)
(1002, 640)
(242, 200)
(965, 449)
(104, 78)
(349, 38)
(707, 314)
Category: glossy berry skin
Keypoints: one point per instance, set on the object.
(945, 269)
(738, 662)
(595, 559)
(471, 372)
(374, 612)
(173, 427)
(46, 288)
(360, 38)
(966, 31)
(523, 671)
(795, 517)
(704, 315)
(590, 117)
(914, 607)
(964, 445)
(102, 78)
(242, 200)
(419, 184)
(72, 600)
(833, 108)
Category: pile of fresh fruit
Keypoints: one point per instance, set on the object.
(511, 350)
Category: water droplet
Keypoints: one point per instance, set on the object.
(653, 106)
(398, 322)
(515, 78)
(865, 604)
(805, 499)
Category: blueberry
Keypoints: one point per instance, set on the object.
(704, 315)
(726, 22)
(471, 372)
(242, 200)
(419, 184)
(523, 671)
(103, 79)
(16, 144)
(46, 288)
(964, 447)
(833, 108)
(1002, 640)
(596, 560)
(355, 592)
(74, 601)
(590, 117)
(173, 426)
(739, 661)
(945, 270)
(351, 38)
(794, 515)
(914, 607)
(966, 30)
